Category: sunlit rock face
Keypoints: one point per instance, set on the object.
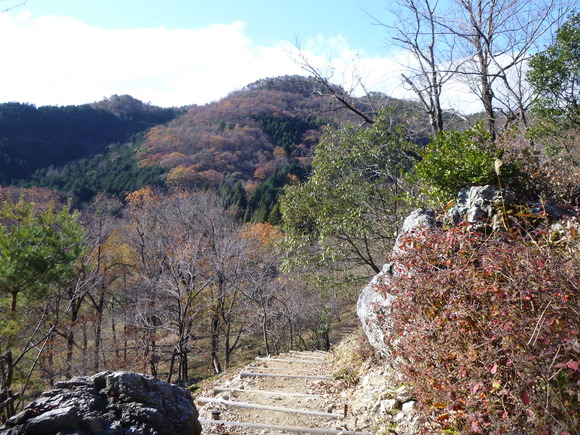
(373, 306)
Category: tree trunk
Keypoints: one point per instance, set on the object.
(114, 337)
(215, 323)
(182, 367)
(6, 366)
(70, 339)
(171, 365)
(14, 295)
(265, 332)
(98, 330)
(153, 354)
(85, 347)
(487, 99)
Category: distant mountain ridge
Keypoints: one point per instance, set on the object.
(121, 144)
(32, 138)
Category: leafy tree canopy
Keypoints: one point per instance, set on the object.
(114, 172)
(349, 208)
(38, 249)
(33, 138)
(555, 77)
(455, 160)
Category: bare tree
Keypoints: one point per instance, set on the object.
(224, 258)
(497, 37)
(484, 43)
(190, 270)
(341, 96)
(168, 297)
(418, 31)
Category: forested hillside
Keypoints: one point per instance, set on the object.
(32, 138)
(247, 145)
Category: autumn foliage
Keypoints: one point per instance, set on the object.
(487, 330)
(251, 133)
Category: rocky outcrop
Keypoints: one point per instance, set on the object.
(481, 208)
(373, 306)
(370, 305)
(113, 403)
(476, 204)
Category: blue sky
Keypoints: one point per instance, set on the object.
(179, 52)
(267, 21)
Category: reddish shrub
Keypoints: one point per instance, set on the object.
(487, 330)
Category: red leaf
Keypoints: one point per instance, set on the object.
(525, 398)
(573, 365)
(476, 388)
(494, 369)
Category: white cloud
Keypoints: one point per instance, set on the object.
(58, 61)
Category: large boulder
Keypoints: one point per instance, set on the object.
(480, 208)
(112, 403)
(372, 306)
(374, 303)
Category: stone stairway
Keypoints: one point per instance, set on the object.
(288, 393)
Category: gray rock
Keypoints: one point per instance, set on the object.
(403, 394)
(399, 417)
(55, 420)
(409, 406)
(373, 307)
(474, 204)
(419, 218)
(551, 211)
(477, 206)
(112, 403)
(374, 303)
(387, 406)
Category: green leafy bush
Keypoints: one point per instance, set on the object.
(455, 160)
(350, 207)
(487, 330)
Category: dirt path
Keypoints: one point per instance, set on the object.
(282, 394)
(294, 392)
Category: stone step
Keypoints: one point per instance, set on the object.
(291, 429)
(279, 369)
(313, 355)
(276, 375)
(206, 400)
(290, 360)
(263, 392)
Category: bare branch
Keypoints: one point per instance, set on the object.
(341, 97)
(14, 6)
